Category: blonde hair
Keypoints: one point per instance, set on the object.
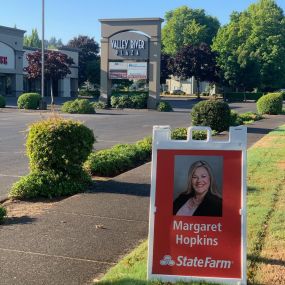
(213, 186)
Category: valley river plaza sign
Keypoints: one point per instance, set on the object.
(131, 49)
(197, 225)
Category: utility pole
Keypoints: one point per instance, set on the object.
(43, 104)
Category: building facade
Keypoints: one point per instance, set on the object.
(13, 79)
(189, 86)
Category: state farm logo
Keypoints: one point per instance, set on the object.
(185, 261)
(167, 260)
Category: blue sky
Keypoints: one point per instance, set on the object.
(66, 19)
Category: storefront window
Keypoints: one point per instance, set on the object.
(6, 84)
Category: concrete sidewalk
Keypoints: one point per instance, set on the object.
(80, 237)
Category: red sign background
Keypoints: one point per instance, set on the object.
(198, 258)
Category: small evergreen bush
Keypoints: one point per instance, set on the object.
(3, 213)
(57, 149)
(119, 158)
(78, 106)
(89, 93)
(29, 101)
(164, 106)
(270, 104)
(137, 101)
(2, 101)
(181, 134)
(99, 105)
(250, 117)
(49, 184)
(235, 119)
(212, 113)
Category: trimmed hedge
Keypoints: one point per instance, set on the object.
(89, 93)
(2, 101)
(100, 105)
(3, 213)
(49, 184)
(164, 106)
(242, 96)
(57, 149)
(138, 101)
(78, 106)
(212, 113)
(270, 104)
(29, 101)
(119, 158)
(181, 134)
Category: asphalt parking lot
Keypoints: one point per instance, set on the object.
(110, 127)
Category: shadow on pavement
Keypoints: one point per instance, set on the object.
(18, 220)
(117, 187)
(258, 130)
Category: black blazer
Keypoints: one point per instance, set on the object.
(210, 206)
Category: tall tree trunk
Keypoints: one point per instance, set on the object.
(51, 92)
(198, 89)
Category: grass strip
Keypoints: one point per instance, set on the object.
(266, 178)
(266, 217)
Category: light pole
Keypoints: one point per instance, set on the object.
(43, 105)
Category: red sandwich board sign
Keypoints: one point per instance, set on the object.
(197, 229)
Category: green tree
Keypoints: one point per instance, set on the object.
(57, 66)
(186, 26)
(54, 43)
(198, 61)
(93, 71)
(89, 50)
(33, 40)
(251, 47)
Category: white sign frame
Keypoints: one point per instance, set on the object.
(162, 141)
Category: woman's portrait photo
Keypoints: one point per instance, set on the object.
(197, 186)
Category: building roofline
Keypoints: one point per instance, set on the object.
(131, 19)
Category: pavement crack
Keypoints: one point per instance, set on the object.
(96, 216)
(57, 256)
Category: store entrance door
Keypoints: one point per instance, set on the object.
(2, 85)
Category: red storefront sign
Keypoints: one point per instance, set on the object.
(204, 241)
(3, 60)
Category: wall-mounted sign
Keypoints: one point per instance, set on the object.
(124, 70)
(197, 212)
(7, 57)
(128, 45)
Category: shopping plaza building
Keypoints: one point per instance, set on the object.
(13, 79)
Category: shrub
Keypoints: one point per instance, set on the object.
(99, 105)
(3, 213)
(119, 158)
(121, 101)
(164, 106)
(249, 117)
(181, 134)
(137, 101)
(108, 162)
(29, 101)
(270, 104)
(235, 119)
(49, 184)
(78, 106)
(89, 93)
(2, 101)
(57, 149)
(212, 113)
(58, 144)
